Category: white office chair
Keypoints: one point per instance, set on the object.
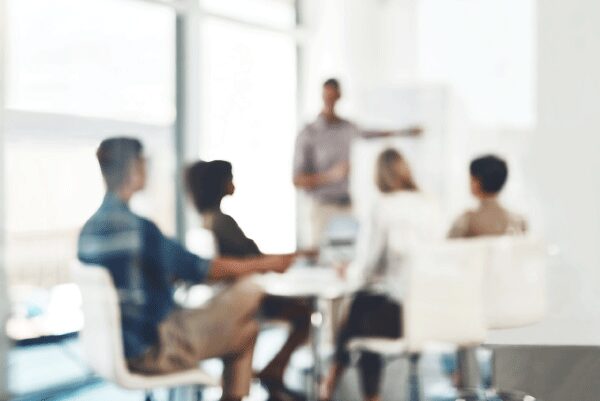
(515, 289)
(102, 340)
(202, 242)
(443, 304)
(514, 281)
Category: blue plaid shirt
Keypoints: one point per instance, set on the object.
(143, 264)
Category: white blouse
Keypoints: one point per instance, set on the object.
(399, 222)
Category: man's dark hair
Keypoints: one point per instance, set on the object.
(207, 183)
(333, 82)
(115, 156)
(491, 172)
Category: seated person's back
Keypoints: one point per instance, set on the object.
(143, 264)
(488, 176)
(208, 183)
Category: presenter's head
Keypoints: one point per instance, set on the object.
(123, 165)
(331, 94)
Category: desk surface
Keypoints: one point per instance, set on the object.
(305, 282)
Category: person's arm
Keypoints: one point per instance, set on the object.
(305, 175)
(409, 131)
(176, 262)
(230, 268)
(310, 181)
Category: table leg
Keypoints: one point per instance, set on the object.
(316, 320)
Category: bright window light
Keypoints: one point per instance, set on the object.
(102, 58)
(273, 13)
(249, 118)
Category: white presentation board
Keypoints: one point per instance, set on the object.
(436, 157)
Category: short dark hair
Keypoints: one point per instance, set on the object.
(115, 156)
(491, 172)
(333, 82)
(207, 183)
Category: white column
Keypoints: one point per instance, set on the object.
(4, 344)
(565, 162)
(188, 127)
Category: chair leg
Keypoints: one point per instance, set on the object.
(503, 395)
(198, 391)
(414, 384)
(173, 394)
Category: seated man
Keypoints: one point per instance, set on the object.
(158, 337)
(488, 176)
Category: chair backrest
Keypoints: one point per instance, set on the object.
(514, 281)
(202, 242)
(101, 334)
(443, 300)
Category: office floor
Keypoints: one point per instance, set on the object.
(56, 372)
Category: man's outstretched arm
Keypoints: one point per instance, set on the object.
(230, 268)
(408, 131)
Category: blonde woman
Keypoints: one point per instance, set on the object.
(403, 217)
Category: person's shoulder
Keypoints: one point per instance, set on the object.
(517, 221)
(465, 218)
(345, 121)
(309, 129)
(461, 225)
(109, 232)
(224, 224)
(349, 126)
(106, 221)
(220, 218)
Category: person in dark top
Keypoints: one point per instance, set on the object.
(159, 337)
(208, 183)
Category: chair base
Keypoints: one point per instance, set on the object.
(508, 395)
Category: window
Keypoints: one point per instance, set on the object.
(248, 91)
(78, 72)
(269, 13)
(89, 59)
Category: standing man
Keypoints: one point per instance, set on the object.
(322, 161)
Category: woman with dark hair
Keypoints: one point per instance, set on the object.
(402, 218)
(208, 183)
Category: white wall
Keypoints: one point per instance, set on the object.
(564, 159)
(367, 44)
(485, 50)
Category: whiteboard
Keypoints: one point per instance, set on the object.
(436, 158)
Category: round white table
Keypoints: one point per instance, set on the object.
(317, 285)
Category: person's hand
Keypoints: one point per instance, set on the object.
(338, 172)
(310, 254)
(414, 131)
(276, 263)
(342, 269)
